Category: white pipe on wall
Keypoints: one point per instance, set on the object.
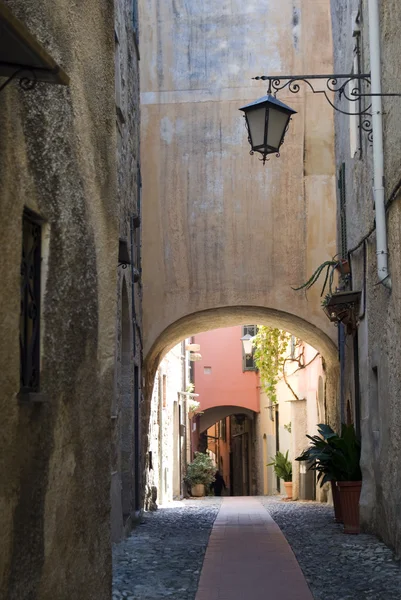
(378, 159)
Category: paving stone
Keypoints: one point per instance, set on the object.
(336, 566)
(162, 558)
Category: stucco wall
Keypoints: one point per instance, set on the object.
(226, 383)
(164, 433)
(219, 228)
(58, 157)
(379, 330)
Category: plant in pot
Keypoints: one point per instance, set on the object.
(319, 457)
(336, 459)
(200, 473)
(283, 469)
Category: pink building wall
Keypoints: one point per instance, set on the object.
(226, 384)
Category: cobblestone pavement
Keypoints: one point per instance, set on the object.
(163, 556)
(336, 566)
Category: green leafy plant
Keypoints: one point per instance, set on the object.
(328, 266)
(334, 457)
(282, 466)
(287, 426)
(270, 345)
(200, 470)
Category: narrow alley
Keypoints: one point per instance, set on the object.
(200, 299)
(251, 556)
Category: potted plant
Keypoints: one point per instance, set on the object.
(283, 469)
(336, 459)
(319, 456)
(200, 473)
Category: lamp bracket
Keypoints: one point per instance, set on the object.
(347, 85)
(26, 82)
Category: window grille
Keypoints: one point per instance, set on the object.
(30, 303)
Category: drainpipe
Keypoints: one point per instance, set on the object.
(378, 160)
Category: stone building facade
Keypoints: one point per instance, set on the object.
(370, 362)
(169, 430)
(126, 474)
(63, 202)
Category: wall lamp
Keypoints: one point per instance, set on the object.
(267, 121)
(247, 344)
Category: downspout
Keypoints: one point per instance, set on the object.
(378, 159)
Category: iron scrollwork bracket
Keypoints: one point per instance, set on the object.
(348, 86)
(345, 86)
(25, 83)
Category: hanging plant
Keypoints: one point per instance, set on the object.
(330, 267)
(270, 345)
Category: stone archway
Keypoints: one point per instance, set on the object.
(211, 415)
(229, 316)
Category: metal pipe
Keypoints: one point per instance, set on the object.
(378, 154)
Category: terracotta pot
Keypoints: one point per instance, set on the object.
(198, 490)
(344, 269)
(288, 489)
(350, 492)
(336, 502)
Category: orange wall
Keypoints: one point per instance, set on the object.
(227, 384)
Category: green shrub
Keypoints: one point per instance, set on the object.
(282, 466)
(334, 457)
(200, 470)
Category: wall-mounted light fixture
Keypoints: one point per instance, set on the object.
(260, 126)
(267, 121)
(247, 344)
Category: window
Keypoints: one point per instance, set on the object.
(223, 430)
(136, 223)
(135, 17)
(117, 75)
(248, 362)
(207, 370)
(343, 213)
(30, 302)
(293, 346)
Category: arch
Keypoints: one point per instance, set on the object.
(228, 316)
(212, 415)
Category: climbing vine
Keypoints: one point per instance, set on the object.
(270, 345)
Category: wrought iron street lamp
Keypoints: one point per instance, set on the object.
(247, 344)
(267, 122)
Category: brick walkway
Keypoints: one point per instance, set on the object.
(248, 558)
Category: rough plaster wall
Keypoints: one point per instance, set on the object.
(222, 232)
(379, 331)
(57, 156)
(127, 130)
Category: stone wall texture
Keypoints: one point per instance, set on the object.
(225, 237)
(58, 149)
(125, 410)
(380, 324)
